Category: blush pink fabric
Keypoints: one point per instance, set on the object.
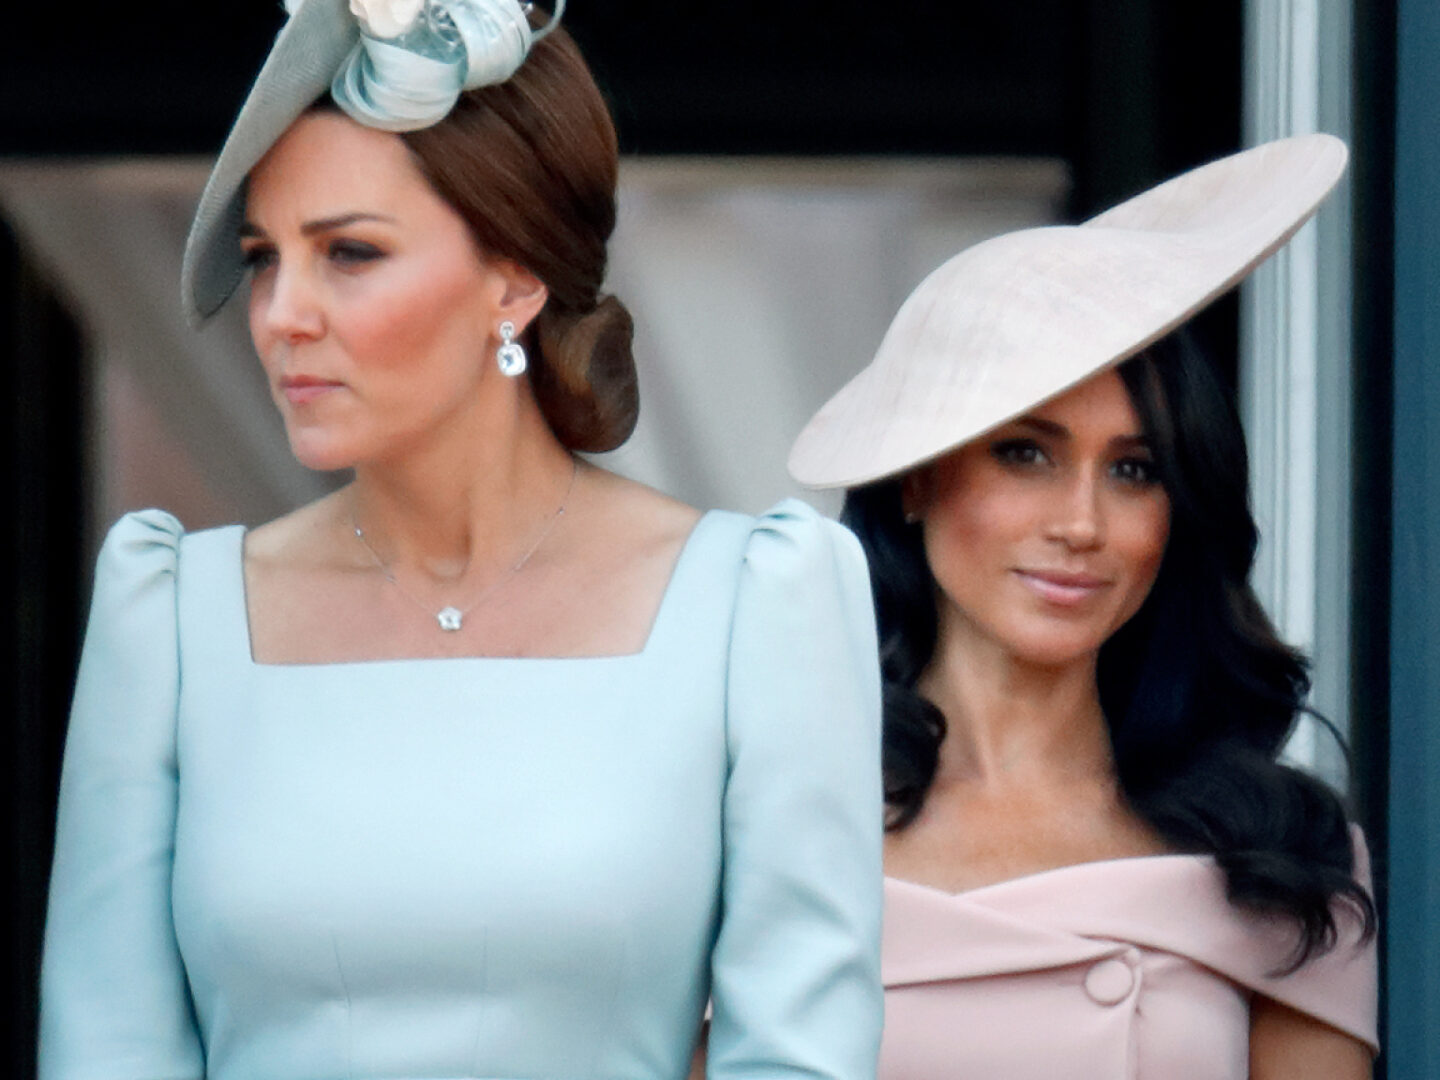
(1130, 969)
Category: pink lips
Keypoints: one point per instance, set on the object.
(1064, 589)
(304, 389)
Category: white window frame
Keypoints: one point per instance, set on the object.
(1295, 385)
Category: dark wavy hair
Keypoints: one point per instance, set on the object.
(1197, 689)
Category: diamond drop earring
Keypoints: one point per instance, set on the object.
(511, 354)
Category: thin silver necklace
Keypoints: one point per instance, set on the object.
(450, 618)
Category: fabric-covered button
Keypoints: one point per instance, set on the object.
(1109, 982)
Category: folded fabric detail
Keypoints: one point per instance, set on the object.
(413, 80)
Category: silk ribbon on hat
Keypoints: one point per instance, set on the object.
(415, 57)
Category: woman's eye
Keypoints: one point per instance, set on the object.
(257, 258)
(353, 252)
(1137, 471)
(1018, 452)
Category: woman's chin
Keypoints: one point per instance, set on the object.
(1056, 651)
(321, 455)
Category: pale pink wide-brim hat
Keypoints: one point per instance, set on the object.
(1016, 320)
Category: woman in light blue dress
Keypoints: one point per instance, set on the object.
(491, 764)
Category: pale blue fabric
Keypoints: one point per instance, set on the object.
(390, 88)
(413, 81)
(488, 868)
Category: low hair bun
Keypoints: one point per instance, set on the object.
(530, 164)
(584, 378)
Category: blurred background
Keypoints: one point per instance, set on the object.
(791, 171)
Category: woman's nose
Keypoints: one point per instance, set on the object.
(1078, 518)
(291, 305)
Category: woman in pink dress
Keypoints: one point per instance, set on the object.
(1097, 867)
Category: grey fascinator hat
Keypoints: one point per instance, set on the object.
(396, 65)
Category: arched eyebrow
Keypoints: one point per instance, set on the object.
(250, 230)
(1044, 427)
(1041, 426)
(1132, 442)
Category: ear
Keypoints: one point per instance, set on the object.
(917, 488)
(520, 294)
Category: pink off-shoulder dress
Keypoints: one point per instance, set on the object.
(1129, 969)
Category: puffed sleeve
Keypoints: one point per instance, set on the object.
(115, 1004)
(796, 967)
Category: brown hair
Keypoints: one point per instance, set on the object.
(531, 166)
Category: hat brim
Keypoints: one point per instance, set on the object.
(1019, 319)
(308, 51)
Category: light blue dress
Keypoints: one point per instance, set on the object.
(484, 867)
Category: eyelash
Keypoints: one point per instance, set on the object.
(1026, 453)
(257, 258)
(1142, 471)
(343, 252)
(353, 252)
(1019, 452)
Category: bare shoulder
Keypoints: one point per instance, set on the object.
(635, 520)
(623, 543)
(632, 536)
(303, 537)
(1286, 1044)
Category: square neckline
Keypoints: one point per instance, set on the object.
(678, 570)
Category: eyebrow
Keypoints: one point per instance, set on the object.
(1044, 427)
(323, 225)
(1060, 431)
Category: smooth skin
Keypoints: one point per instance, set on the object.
(1045, 537)
(376, 318)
